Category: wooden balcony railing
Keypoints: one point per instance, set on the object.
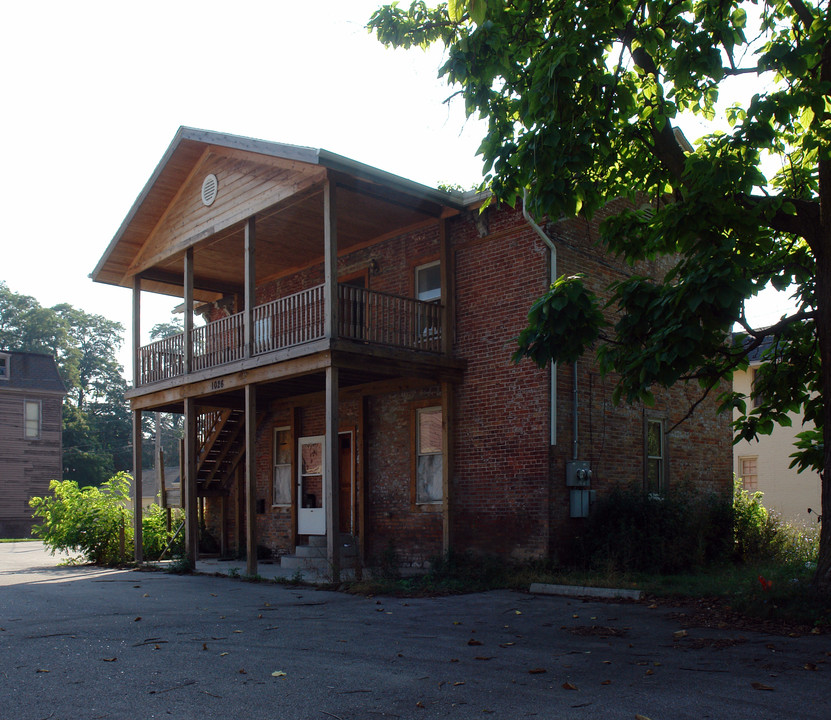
(365, 315)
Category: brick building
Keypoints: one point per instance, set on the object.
(353, 380)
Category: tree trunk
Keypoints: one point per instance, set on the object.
(823, 329)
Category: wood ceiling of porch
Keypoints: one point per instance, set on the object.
(289, 237)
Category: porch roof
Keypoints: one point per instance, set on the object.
(283, 186)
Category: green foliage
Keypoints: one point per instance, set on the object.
(761, 536)
(561, 323)
(92, 521)
(96, 420)
(156, 536)
(581, 102)
(633, 531)
(95, 522)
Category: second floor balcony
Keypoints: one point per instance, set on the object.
(364, 316)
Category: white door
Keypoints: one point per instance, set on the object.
(311, 513)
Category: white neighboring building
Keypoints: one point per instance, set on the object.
(763, 465)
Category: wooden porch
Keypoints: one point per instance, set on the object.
(365, 316)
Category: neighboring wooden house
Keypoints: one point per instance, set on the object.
(354, 379)
(764, 464)
(31, 396)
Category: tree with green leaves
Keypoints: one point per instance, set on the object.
(582, 101)
(97, 433)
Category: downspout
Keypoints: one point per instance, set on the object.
(553, 265)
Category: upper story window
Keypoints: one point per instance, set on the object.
(5, 360)
(428, 282)
(31, 419)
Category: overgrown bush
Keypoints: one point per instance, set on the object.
(760, 535)
(155, 535)
(95, 523)
(633, 531)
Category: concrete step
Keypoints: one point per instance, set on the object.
(311, 551)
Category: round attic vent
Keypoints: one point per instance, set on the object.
(210, 188)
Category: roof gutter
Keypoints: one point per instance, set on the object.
(553, 267)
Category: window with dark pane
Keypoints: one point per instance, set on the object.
(428, 456)
(655, 456)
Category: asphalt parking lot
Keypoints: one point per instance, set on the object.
(83, 642)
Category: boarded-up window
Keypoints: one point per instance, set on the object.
(749, 473)
(428, 455)
(282, 467)
(31, 419)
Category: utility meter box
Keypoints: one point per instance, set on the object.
(578, 473)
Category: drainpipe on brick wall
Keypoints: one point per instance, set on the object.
(553, 250)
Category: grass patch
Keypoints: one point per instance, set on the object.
(16, 540)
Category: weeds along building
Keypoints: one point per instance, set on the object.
(352, 384)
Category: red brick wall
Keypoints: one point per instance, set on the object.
(508, 492)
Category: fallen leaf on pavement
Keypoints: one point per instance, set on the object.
(569, 686)
(109, 659)
(760, 686)
(278, 673)
(473, 642)
(537, 671)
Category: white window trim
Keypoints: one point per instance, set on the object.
(39, 405)
(5, 361)
(275, 465)
(418, 269)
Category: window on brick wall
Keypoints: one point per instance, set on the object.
(31, 419)
(655, 465)
(428, 289)
(749, 473)
(428, 456)
(281, 493)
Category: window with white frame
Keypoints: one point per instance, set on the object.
(281, 493)
(31, 419)
(749, 473)
(655, 471)
(428, 282)
(428, 456)
(428, 289)
(5, 360)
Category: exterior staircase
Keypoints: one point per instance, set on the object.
(311, 557)
(220, 450)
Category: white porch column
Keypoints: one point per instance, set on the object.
(189, 484)
(250, 286)
(251, 478)
(331, 480)
(330, 262)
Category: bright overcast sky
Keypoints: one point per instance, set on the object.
(93, 93)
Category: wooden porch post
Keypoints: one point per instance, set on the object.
(330, 263)
(188, 281)
(448, 312)
(331, 480)
(251, 477)
(250, 286)
(447, 423)
(191, 519)
(137, 488)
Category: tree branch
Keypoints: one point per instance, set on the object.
(804, 223)
(802, 12)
